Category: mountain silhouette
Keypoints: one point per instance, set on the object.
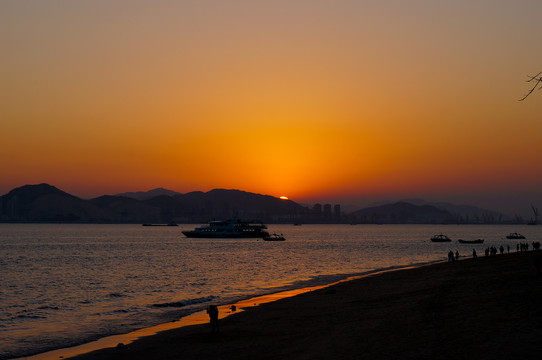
(145, 195)
(126, 209)
(221, 203)
(402, 213)
(46, 203)
(463, 213)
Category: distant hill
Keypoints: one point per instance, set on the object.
(125, 209)
(144, 195)
(221, 203)
(464, 213)
(402, 213)
(46, 203)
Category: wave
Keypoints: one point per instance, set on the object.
(38, 313)
(182, 303)
(30, 316)
(116, 295)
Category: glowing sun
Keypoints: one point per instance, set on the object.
(284, 197)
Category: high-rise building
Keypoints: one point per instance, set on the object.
(337, 211)
(317, 209)
(327, 210)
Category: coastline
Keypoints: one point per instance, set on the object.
(486, 308)
(200, 317)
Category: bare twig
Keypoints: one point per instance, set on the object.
(537, 79)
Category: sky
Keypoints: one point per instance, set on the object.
(343, 101)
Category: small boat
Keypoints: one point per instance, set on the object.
(274, 237)
(171, 223)
(440, 238)
(229, 229)
(515, 236)
(477, 241)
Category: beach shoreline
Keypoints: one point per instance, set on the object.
(460, 310)
(200, 317)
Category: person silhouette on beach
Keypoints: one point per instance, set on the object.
(212, 310)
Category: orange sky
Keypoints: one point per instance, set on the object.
(341, 101)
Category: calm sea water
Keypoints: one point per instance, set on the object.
(63, 285)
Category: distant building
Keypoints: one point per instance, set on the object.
(337, 211)
(317, 209)
(327, 210)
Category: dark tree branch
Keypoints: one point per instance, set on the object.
(537, 80)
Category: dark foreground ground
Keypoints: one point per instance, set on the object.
(489, 308)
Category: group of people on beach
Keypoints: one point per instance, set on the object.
(452, 256)
(492, 250)
(525, 246)
(520, 247)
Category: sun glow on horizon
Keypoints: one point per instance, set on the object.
(284, 198)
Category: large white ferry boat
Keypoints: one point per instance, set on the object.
(229, 229)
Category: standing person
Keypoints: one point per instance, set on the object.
(212, 310)
(474, 256)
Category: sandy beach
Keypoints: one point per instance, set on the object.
(488, 308)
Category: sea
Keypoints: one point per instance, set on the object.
(67, 284)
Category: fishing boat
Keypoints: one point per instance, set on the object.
(515, 236)
(440, 238)
(171, 223)
(274, 237)
(477, 241)
(229, 229)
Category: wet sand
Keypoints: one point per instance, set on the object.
(489, 308)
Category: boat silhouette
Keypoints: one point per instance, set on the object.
(233, 228)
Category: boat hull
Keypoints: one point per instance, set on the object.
(248, 235)
(274, 237)
(470, 241)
